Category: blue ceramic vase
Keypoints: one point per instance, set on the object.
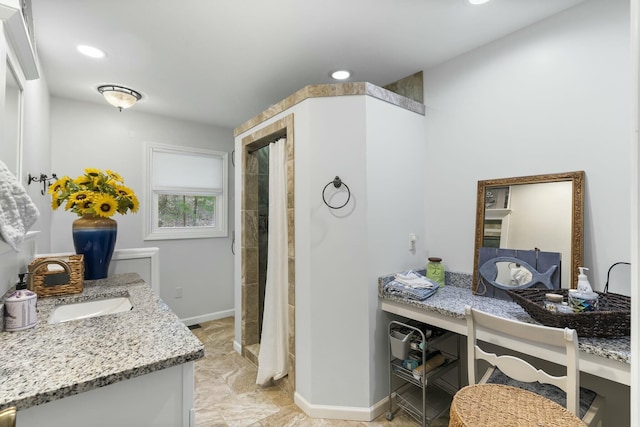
(95, 238)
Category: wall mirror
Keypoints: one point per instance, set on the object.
(10, 152)
(529, 212)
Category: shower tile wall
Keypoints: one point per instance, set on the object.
(263, 228)
(253, 206)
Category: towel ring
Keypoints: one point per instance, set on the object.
(337, 182)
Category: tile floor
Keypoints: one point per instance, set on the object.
(226, 394)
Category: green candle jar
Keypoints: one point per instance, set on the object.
(435, 270)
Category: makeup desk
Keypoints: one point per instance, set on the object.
(609, 358)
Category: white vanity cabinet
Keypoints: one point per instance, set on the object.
(133, 368)
(161, 399)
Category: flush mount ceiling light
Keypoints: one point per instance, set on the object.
(341, 75)
(90, 51)
(477, 1)
(119, 96)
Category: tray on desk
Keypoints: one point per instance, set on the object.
(612, 319)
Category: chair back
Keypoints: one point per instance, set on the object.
(565, 340)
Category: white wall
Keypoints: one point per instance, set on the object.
(396, 169)
(553, 97)
(377, 151)
(36, 154)
(35, 149)
(93, 135)
(335, 242)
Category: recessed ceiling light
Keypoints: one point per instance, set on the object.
(477, 1)
(90, 51)
(341, 74)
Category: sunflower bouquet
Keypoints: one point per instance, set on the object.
(94, 193)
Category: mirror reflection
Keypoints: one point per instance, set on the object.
(10, 151)
(537, 212)
(512, 274)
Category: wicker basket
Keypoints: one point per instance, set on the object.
(612, 319)
(48, 283)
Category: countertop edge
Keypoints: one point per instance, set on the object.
(40, 383)
(96, 383)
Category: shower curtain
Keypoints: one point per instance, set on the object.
(274, 346)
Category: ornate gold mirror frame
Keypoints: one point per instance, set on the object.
(577, 202)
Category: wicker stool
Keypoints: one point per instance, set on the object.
(496, 405)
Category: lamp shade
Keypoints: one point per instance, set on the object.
(119, 96)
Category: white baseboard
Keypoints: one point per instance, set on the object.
(237, 347)
(341, 412)
(209, 316)
(381, 407)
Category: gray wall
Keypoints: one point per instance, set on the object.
(36, 160)
(93, 135)
(554, 97)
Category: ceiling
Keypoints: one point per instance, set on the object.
(222, 62)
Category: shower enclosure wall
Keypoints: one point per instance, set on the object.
(254, 221)
(374, 140)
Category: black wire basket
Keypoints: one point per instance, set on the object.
(611, 319)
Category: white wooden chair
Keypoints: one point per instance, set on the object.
(511, 370)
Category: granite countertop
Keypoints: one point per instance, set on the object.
(49, 362)
(452, 299)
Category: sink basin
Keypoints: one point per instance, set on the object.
(86, 309)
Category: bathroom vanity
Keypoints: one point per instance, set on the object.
(608, 358)
(135, 367)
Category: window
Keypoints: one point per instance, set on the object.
(186, 193)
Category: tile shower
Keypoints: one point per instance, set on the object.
(254, 213)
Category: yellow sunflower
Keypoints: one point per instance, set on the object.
(123, 191)
(55, 201)
(94, 193)
(70, 204)
(92, 171)
(80, 197)
(82, 180)
(135, 203)
(59, 185)
(104, 205)
(87, 204)
(114, 175)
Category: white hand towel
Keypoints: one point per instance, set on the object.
(414, 280)
(17, 211)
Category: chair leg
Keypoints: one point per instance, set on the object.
(595, 413)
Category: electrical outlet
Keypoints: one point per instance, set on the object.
(179, 292)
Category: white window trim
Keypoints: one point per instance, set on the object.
(150, 213)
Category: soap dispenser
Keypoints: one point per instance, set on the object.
(21, 283)
(583, 298)
(20, 308)
(583, 281)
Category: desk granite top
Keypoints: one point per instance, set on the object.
(49, 362)
(451, 300)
